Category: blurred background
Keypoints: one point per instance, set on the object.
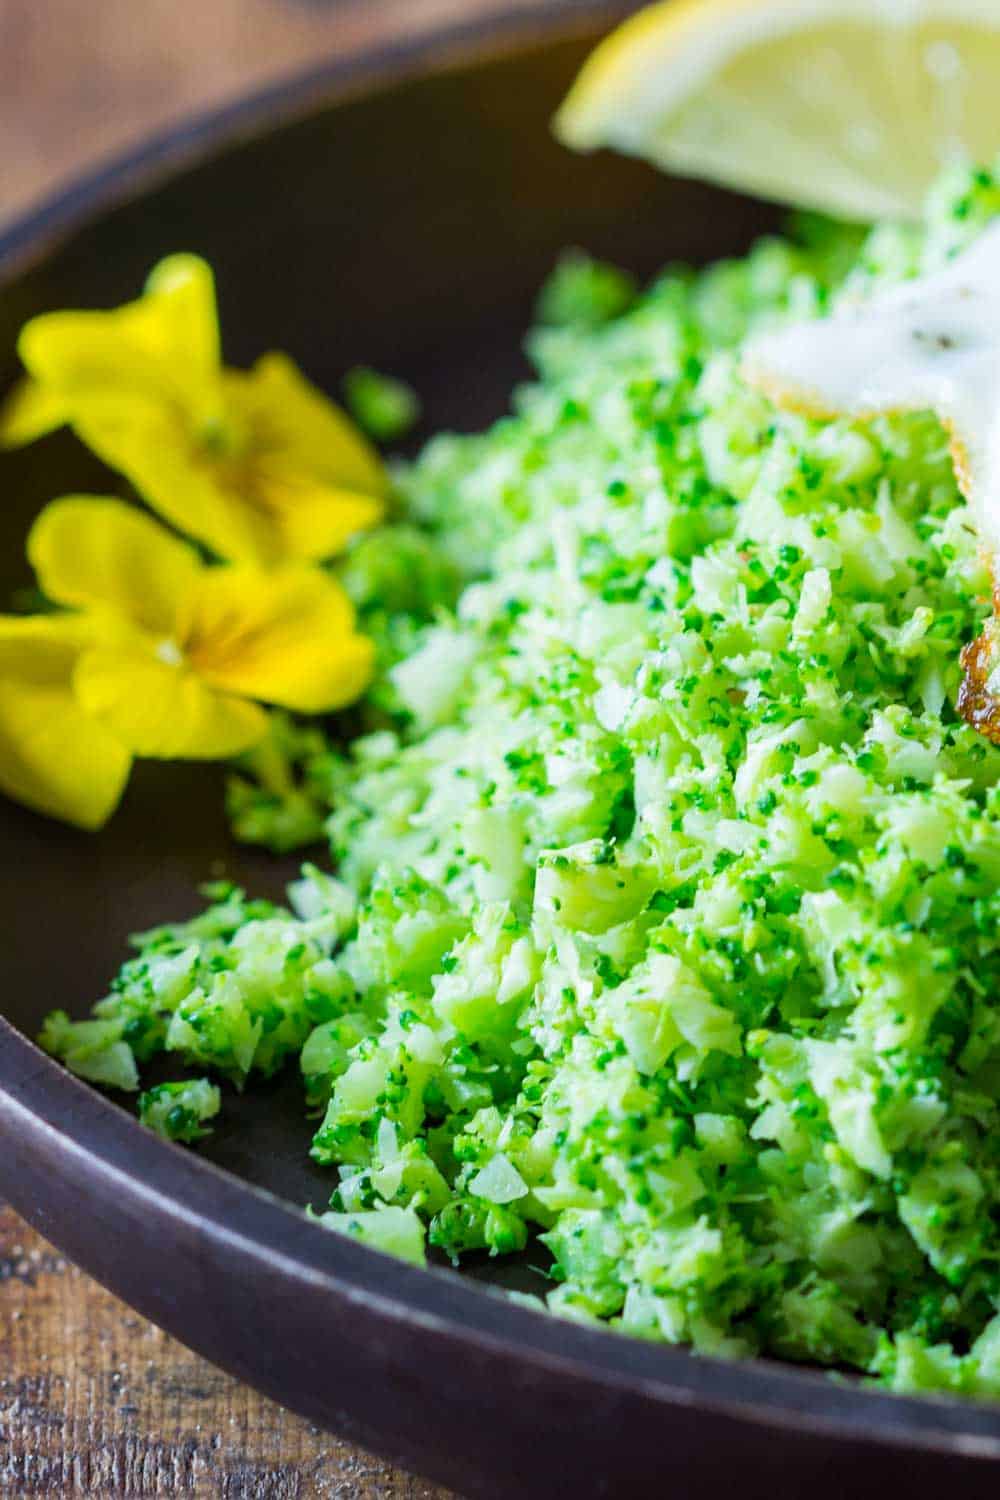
(81, 79)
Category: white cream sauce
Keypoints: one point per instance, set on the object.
(932, 344)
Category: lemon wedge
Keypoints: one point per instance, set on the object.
(847, 106)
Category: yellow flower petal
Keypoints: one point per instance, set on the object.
(249, 511)
(259, 465)
(285, 636)
(53, 756)
(163, 709)
(183, 289)
(89, 356)
(310, 519)
(156, 452)
(163, 346)
(92, 551)
(296, 481)
(30, 411)
(295, 420)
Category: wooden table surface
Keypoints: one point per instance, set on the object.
(93, 1399)
(80, 79)
(96, 1401)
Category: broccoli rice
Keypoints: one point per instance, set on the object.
(667, 877)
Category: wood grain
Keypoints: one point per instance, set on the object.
(79, 81)
(96, 1401)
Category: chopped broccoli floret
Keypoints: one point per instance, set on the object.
(178, 1111)
(385, 407)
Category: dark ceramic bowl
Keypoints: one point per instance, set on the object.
(400, 209)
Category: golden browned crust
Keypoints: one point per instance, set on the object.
(801, 402)
(976, 704)
(959, 458)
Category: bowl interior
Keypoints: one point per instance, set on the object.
(409, 229)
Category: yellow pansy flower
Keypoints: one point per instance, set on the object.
(181, 649)
(258, 465)
(54, 756)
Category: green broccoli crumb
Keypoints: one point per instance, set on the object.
(269, 797)
(388, 409)
(178, 1111)
(585, 292)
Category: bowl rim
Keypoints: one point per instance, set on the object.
(116, 176)
(64, 1119)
